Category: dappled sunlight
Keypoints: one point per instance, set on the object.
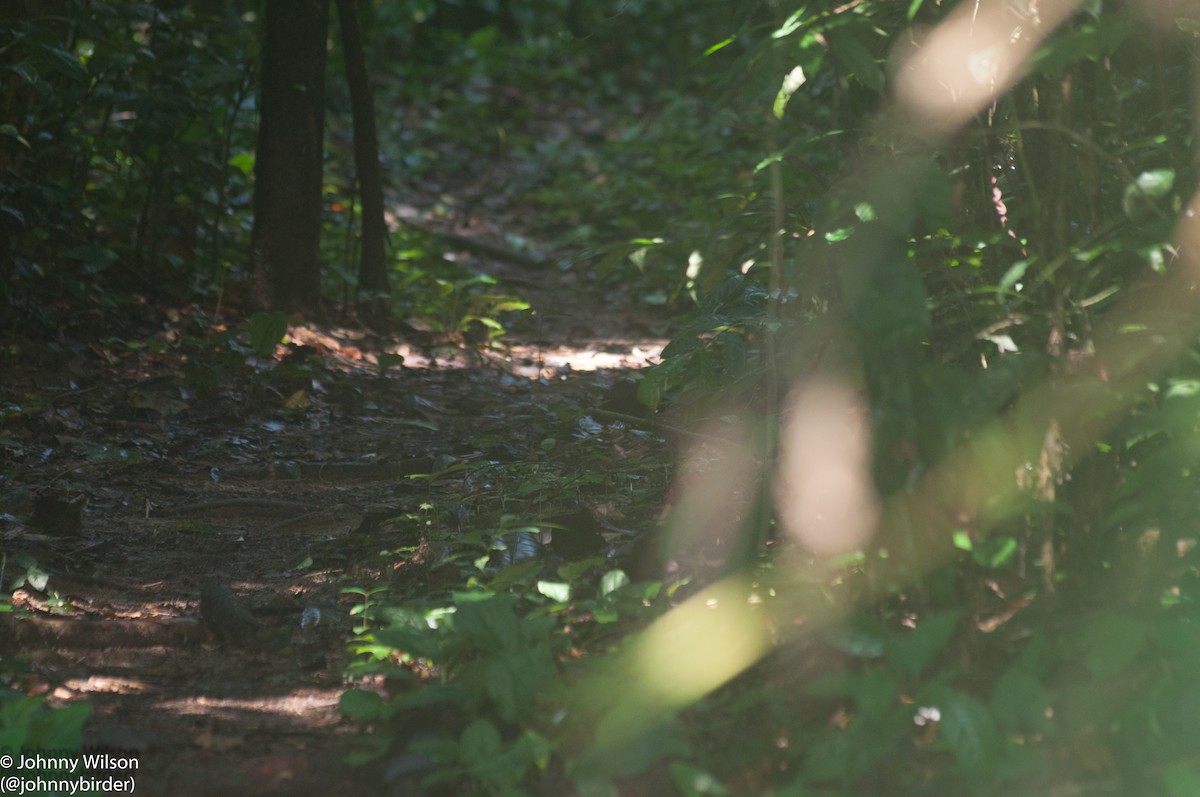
(298, 703)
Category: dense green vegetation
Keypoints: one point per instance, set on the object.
(995, 293)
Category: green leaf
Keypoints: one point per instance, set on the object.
(360, 705)
(1181, 779)
(243, 162)
(1019, 701)
(491, 625)
(855, 58)
(692, 781)
(386, 361)
(858, 636)
(967, 727)
(995, 551)
(912, 651)
(480, 741)
(1149, 186)
(1011, 277)
(721, 45)
(612, 581)
(516, 678)
(790, 24)
(95, 258)
(555, 590)
(266, 331)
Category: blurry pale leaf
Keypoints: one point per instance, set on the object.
(789, 25)
(8, 131)
(833, 236)
(1011, 277)
(912, 651)
(297, 401)
(1151, 185)
(913, 8)
(655, 298)
(1183, 388)
(767, 161)
(612, 581)
(555, 590)
(695, 782)
(962, 541)
(791, 82)
(1004, 343)
(864, 211)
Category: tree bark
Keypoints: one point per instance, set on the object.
(372, 270)
(287, 194)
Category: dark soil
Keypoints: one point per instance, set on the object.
(139, 493)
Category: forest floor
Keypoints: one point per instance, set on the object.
(135, 491)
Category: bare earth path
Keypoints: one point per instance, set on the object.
(142, 498)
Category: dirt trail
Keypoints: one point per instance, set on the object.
(266, 509)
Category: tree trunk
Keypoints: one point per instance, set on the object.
(287, 194)
(372, 270)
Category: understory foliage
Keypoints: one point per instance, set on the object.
(1022, 616)
(1000, 303)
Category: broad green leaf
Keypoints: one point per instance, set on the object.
(266, 331)
(492, 624)
(516, 678)
(858, 636)
(95, 258)
(360, 705)
(1181, 779)
(967, 727)
(1019, 701)
(480, 742)
(612, 581)
(912, 651)
(1147, 187)
(555, 590)
(856, 58)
